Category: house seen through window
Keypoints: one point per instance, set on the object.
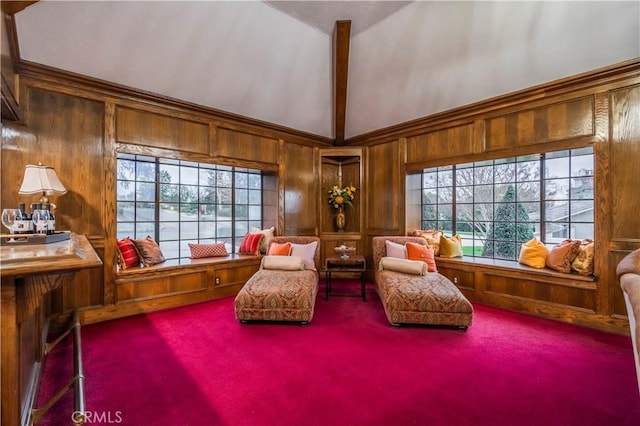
(179, 202)
(497, 205)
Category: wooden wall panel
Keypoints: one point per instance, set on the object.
(564, 120)
(540, 290)
(385, 199)
(299, 189)
(625, 163)
(64, 132)
(241, 145)
(161, 131)
(447, 143)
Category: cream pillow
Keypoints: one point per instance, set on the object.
(414, 267)
(283, 263)
(307, 252)
(268, 233)
(396, 250)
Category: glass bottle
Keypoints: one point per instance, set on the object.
(23, 223)
(51, 225)
(40, 218)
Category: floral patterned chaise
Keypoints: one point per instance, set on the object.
(281, 295)
(410, 298)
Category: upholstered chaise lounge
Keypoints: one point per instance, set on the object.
(410, 298)
(281, 295)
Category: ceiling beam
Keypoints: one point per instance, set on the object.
(13, 7)
(341, 39)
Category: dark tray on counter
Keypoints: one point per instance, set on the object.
(26, 239)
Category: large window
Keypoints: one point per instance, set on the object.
(497, 205)
(179, 202)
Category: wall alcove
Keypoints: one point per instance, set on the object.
(341, 167)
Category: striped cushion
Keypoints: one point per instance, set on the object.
(251, 244)
(127, 254)
(208, 250)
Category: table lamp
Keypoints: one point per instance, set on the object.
(41, 179)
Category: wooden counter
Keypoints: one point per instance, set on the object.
(29, 273)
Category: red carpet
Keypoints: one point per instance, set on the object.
(197, 365)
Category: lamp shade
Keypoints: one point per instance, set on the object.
(39, 179)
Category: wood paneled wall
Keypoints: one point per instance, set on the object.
(601, 110)
(79, 125)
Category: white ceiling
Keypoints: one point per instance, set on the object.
(272, 60)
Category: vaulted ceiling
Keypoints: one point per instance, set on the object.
(272, 60)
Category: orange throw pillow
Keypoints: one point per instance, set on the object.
(417, 251)
(277, 249)
(561, 256)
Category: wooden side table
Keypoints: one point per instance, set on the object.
(355, 264)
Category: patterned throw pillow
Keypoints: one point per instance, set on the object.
(451, 247)
(417, 251)
(277, 249)
(583, 263)
(149, 251)
(127, 254)
(208, 250)
(251, 244)
(561, 256)
(432, 237)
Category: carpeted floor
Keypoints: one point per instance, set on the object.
(197, 365)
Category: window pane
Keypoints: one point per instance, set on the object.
(169, 192)
(126, 212)
(169, 231)
(429, 196)
(582, 188)
(126, 170)
(145, 172)
(126, 190)
(505, 173)
(483, 175)
(189, 230)
(145, 191)
(144, 229)
(188, 176)
(556, 167)
(464, 194)
(483, 194)
(145, 211)
(429, 212)
(430, 180)
(556, 189)
(528, 171)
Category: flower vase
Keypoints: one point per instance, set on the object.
(340, 219)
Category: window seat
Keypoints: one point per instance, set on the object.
(516, 270)
(186, 263)
(177, 282)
